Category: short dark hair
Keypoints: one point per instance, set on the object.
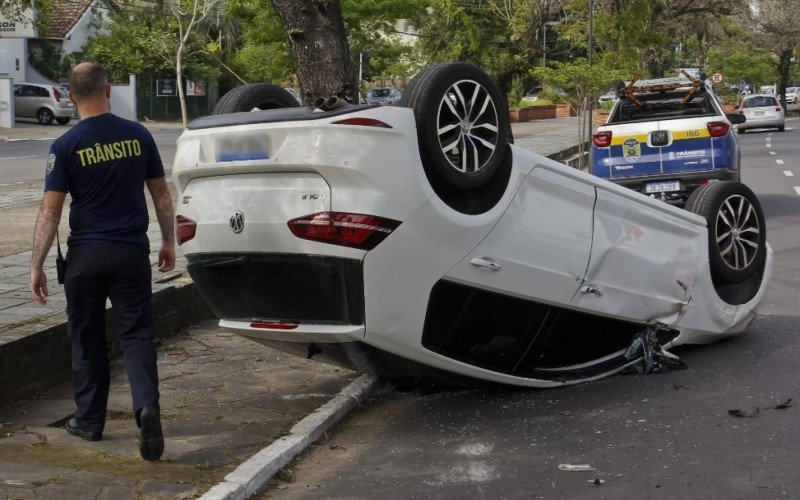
(87, 80)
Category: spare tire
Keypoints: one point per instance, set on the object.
(462, 124)
(255, 96)
(737, 231)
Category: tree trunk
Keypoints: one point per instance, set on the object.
(318, 44)
(784, 63)
(179, 81)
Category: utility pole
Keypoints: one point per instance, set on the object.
(360, 69)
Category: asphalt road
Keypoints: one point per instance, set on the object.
(25, 161)
(657, 436)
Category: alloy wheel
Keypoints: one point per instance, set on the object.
(467, 125)
(738, 233)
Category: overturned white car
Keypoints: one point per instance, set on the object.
(414, 240)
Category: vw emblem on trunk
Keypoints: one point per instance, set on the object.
(237, 222)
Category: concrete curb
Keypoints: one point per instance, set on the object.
(252, 475)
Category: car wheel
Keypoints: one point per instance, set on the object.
(255, 95)
(781, 128)
(741, 130)
(737, 232)
(63, 121)
(462, 124)
(45, 116)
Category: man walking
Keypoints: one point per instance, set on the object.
(104, 162)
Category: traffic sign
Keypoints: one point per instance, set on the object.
(716, 78)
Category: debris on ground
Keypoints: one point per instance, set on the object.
(678, 387)
(745, 413)
(653, 357)
(596, 482)
(782, 406)
(576, 467)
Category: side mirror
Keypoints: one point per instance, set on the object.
(736, 118)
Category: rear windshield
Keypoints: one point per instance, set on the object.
(663, 106)
(759, 102)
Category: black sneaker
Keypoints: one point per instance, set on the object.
(72, 428)
(151, 439)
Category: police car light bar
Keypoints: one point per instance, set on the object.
(660, 85)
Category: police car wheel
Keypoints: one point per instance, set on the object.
(737, 236)
(252, 96)
(44, 116)
(462, 124)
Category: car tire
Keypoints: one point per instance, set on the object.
(255, 95)
(63, 121)
(462, 124)
(44, 116)
(737, 236)
(781, 128)
(741, 130)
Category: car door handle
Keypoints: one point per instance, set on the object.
(596, 290)
(486, 262)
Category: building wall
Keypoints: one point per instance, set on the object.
(13, 54)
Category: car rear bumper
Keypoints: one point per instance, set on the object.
(292, 291)
(761, 122)
(689, 181)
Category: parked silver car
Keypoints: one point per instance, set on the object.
(43, 102)
(761, 110)
(792, 94)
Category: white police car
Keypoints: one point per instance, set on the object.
(666, 137)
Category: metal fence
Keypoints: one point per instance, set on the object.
(150, 106)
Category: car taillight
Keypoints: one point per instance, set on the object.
(185, 228)
(56, 94)
(274, 325)
(337, 228)
(718, 129)
(602, 139)
(363, 122)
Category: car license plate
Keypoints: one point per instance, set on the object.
(759, 113)
(241, 149)
(662, 187)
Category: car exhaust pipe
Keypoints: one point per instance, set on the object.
(330, 104)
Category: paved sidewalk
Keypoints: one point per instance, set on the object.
(222, 397)
(32, 131)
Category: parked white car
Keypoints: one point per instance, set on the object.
(413, 240)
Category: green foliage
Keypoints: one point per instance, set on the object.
(579, 80)
(262, 54)
(144, 40)
(49, 59)
(746, 64)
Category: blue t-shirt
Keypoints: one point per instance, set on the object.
(102, 162)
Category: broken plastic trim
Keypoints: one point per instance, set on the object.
(653, 357)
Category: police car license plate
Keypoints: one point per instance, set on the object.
(662, 187)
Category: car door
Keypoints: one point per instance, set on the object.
(24, 100)
(540, 247)
(643, 260)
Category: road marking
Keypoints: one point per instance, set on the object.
(797, 189)
(769, 142)
(788, 173)
(779, 161)
(773, 153)
(18, 157)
